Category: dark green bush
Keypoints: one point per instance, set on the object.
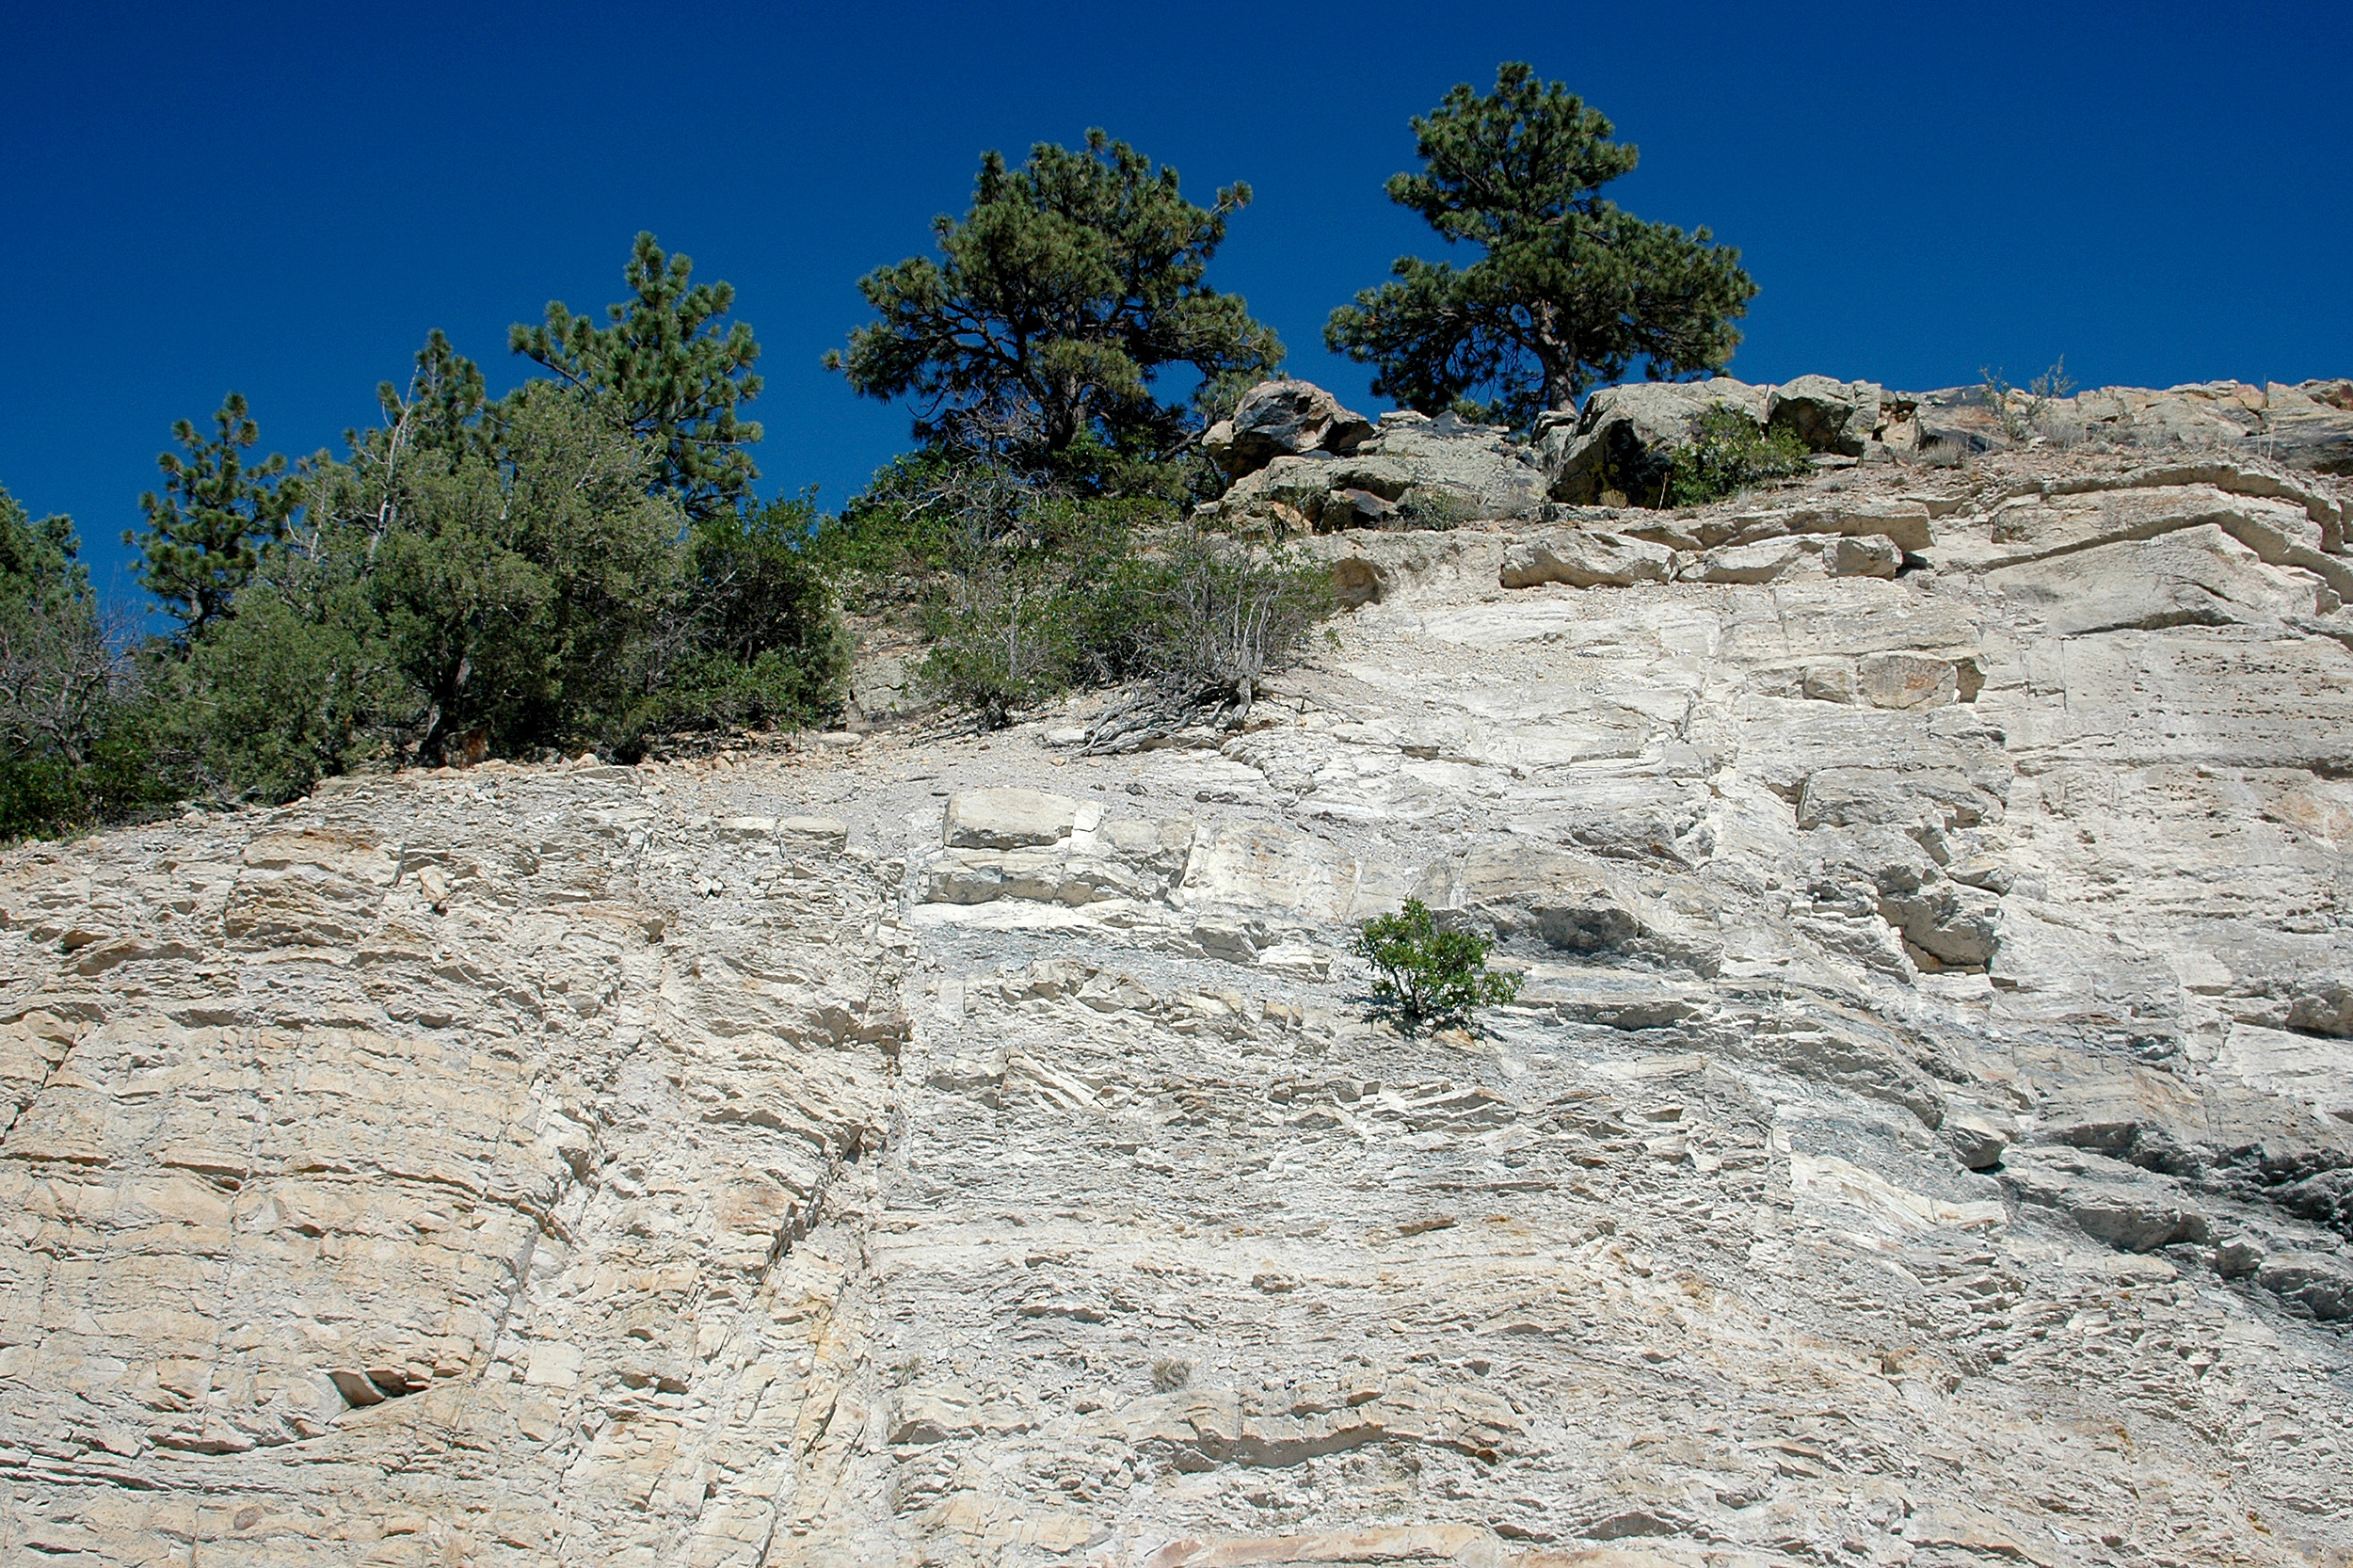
(1423, 975)
(579, 561)
(498, 577)
(761, 642)
(278, 697)
(1729, 452)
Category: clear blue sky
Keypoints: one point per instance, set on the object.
(282, 199)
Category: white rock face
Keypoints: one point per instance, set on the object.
(1009, 818)
(1924, 1135)
(1586, 559)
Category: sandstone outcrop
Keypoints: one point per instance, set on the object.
(1320, 469)
(1412, 472)
(1279, 419)
(1843, 417)
(1924, 1135)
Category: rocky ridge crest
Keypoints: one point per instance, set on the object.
(1305, 464)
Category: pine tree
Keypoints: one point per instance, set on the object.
(67, 757)
(1054, 304)
(672, 366)
(1571, 291)
(206, 529)
(445, 402)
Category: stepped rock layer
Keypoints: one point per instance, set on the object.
(1924, 1134)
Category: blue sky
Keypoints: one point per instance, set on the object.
(282, 199)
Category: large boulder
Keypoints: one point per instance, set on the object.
(1477, 468)
(1370, 564)
(1414, 471)
(1278, 419)
(1827, 415)
(1007, 818)
(1623, 438)
(2309, 426)
(1287, 495)
(1585, 558)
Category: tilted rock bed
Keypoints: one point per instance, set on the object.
(1924, 1134)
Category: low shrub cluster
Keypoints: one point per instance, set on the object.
(1028, 585)
(1727, 452)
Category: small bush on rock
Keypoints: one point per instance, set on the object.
(2018, 424)
(1728, 452)
(1435, 508)
(1423, 975)
(1225, 615)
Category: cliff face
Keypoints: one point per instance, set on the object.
(1923, 1135)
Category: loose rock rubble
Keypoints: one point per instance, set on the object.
(1924, 1135)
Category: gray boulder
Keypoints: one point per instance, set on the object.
(2323, 1004)
(1827, 415)
(1412, 473)
(2318, 1283)
(1977, 1140)
(2310, 426)
(1585, 558)
(1288, 495)
(1277, 419)
(1623, 438)
(1903, 521)
(1478, 467)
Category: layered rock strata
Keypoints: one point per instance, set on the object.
(1924, 1134)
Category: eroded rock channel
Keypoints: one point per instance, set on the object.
(1924, 1134)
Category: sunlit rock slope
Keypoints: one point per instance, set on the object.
(1924, 1134)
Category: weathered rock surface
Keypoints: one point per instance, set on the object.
(1585, 558)
(1283, 418)
(1923, 1136)
(1829, 416)
(2307, 425)
(1414, 472)
(1311, 466)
